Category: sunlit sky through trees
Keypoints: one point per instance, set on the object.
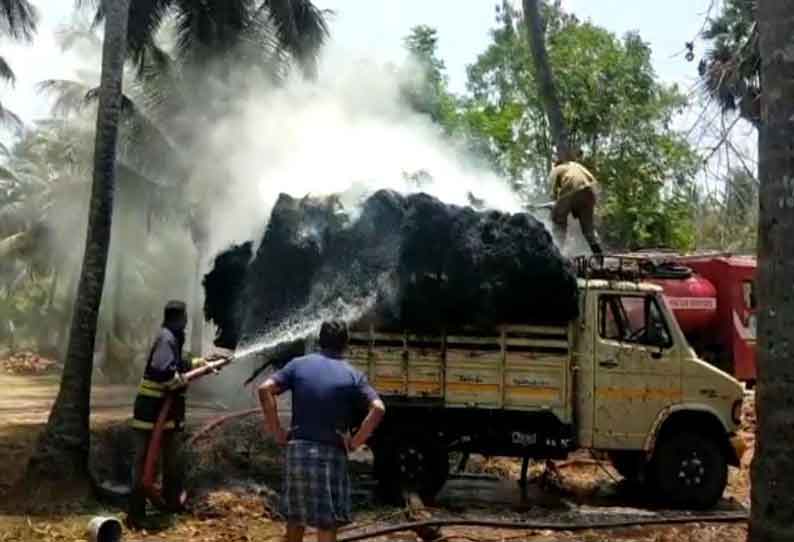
(375, 29)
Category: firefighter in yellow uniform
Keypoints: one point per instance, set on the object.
(162, 375)
(573, 188)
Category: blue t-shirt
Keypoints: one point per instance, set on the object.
(326, 394)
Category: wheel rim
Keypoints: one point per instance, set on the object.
(411, 463)
(692, 470)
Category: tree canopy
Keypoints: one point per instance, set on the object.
(617, 112)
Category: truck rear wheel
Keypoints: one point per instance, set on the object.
(413, 463)
(690, 470)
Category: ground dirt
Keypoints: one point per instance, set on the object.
(234, 469)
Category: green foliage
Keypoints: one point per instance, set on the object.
(24, 303)
(424, 81)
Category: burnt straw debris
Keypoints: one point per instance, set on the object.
(427, 266)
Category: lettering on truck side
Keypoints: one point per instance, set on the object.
(530, 382)
(524, 439)
(691, 303)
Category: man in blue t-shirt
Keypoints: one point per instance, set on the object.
(327, 392)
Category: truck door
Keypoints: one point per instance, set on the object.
(637, 369)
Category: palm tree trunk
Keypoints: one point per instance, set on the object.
(545, 78)
(62, 450)
(773, 463)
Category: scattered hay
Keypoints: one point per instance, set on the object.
(27, 363)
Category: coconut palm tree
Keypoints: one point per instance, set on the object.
(62, 450)
(206, 31)
(187, 82)
(730, 71)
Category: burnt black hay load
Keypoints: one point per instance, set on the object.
(428, 265)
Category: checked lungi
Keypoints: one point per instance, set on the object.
(316, 490)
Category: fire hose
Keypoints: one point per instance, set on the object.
(150, 489)
(220, 421)
(727, 517)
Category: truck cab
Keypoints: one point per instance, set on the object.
(620, 379)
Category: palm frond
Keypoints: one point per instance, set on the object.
(96, 7)
(87, 4)
(140, 136)
(302, 29)
(6, 73)
(155, 199)
(9, 119)
(146, 18)
(146, 146)
(68, 36)
(210, 29)
(312, 31)
(69, 96)
(283, 17)
(7, 175)
(18, 19)
(261, 48)
(160, 84)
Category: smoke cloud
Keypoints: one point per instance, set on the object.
(348, 132)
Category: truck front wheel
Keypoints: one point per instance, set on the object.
(690, 470)
(413, 464)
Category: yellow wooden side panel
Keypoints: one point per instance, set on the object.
(425, 380)
(473, 376)
(358, 355)
(535, 381)
(388, 370)
(471, 371)
(425, 367)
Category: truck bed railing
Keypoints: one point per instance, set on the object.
(506, 338)
(627, 268)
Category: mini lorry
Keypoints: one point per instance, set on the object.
(621, 380)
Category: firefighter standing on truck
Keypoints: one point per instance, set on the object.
(573, 188)
(162, 375)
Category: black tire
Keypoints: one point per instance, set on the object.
(412, 462)
(690, 470)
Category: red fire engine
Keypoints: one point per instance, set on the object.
(713, 299)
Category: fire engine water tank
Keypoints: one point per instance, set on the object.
(693, 300)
